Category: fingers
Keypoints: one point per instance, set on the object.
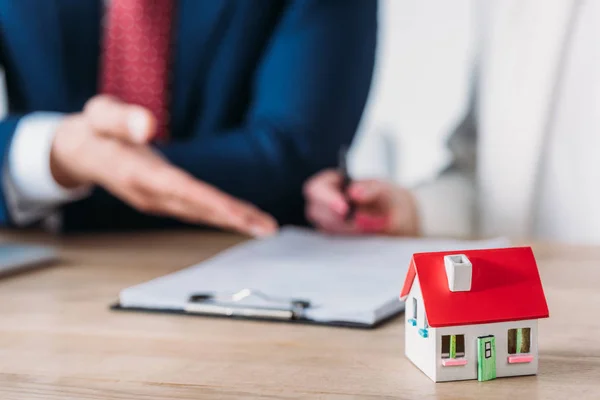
(375, 208)
(152, 185)
(369, 222)
(370, 191)
(326, 220)
(384, 207)
(110, 117)
(196, 201)
(327, 205)
(252, 221)
(325, 188)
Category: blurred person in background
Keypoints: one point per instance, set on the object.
(142, 113)
(525, 162)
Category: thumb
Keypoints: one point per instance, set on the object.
(108, 116)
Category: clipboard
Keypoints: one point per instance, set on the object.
(298, 276)
(288, 310)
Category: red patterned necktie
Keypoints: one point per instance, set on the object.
(136, 55)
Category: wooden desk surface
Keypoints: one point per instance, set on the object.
(58, 340)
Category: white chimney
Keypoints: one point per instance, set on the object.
(459, 271)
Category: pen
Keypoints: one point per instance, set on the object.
(346, 180)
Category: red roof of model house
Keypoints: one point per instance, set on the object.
(505, 286)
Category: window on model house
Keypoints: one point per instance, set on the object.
(414, 306)
(453, 346)
(519, 340)
(413, 316)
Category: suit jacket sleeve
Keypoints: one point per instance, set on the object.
(309, 93)
(8, 126)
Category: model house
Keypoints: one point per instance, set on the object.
(474, 314)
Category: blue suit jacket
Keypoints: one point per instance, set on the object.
(264, 92)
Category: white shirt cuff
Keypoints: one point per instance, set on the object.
(31, 191)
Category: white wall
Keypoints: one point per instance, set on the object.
(419, 91)
(472, 332)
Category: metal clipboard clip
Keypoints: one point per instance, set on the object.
(261, 305)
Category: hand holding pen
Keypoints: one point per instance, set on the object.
(339, 205)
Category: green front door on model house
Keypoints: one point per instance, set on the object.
(486, 358)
